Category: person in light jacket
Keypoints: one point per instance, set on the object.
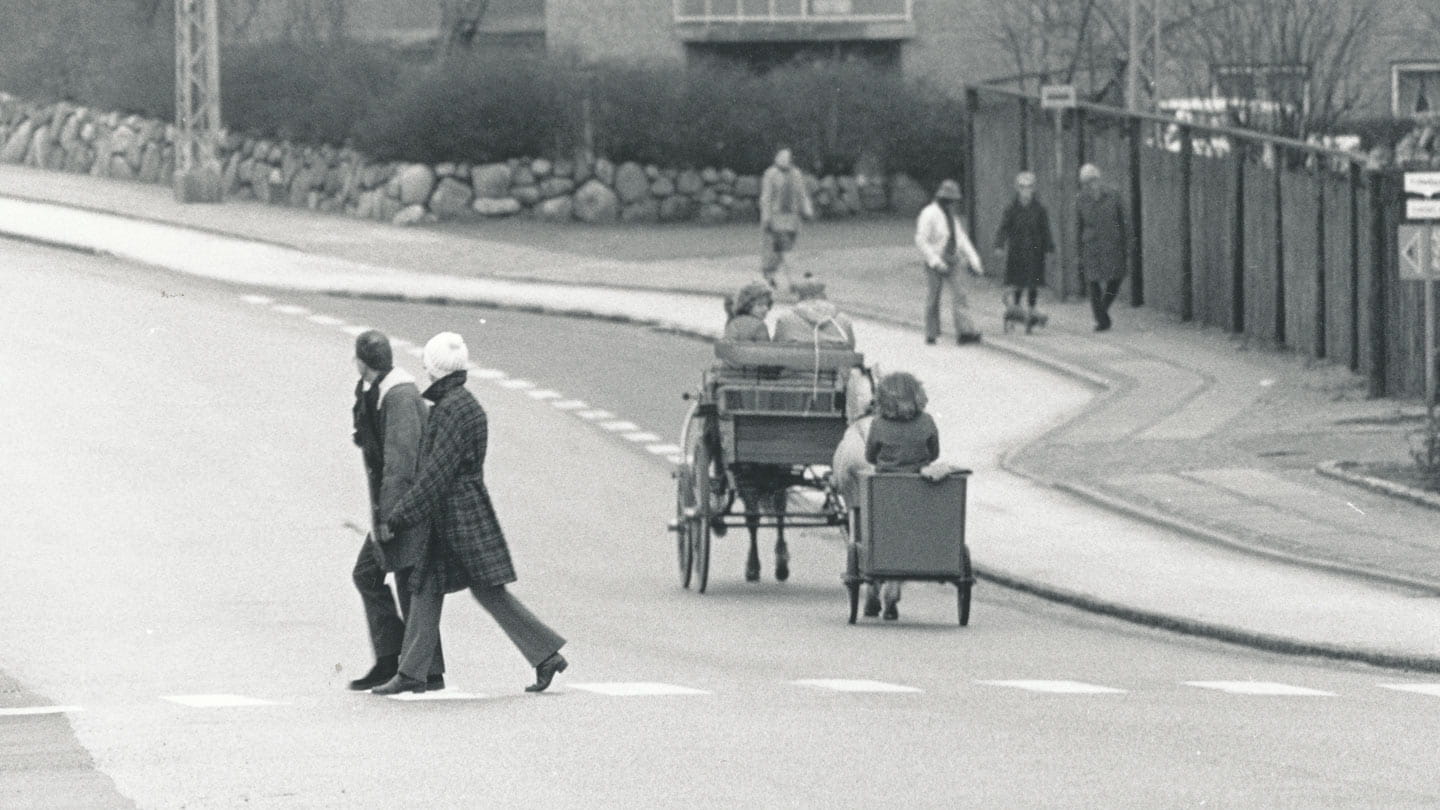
(784, 201)
(943, 244)
(389, 416)
(467, 549)
(1104, 240)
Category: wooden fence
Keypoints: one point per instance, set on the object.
(1265, 236)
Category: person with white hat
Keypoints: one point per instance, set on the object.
(1103, 239)
(467, 550)
(944, 245)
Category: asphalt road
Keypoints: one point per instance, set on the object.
(182, 493)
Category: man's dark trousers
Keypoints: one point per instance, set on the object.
(387, 628)
(1102, 295)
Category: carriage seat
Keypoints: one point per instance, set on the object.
(797, 356)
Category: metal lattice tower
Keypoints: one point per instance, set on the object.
(197, 101)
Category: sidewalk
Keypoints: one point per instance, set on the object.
(1192, 431)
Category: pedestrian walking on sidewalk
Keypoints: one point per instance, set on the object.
(1104, 239)
(389, 418)
(467, 550)
(784, 201)
(945, 248)
(1023, 241)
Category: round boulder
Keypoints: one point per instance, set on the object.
(631, 183)
(451, 199)
(689, 182)
(560, 209)
(491, 181)
(496, 207)
(416, 182)
(595, 202)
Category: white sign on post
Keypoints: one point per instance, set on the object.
(1422, 209)
(1061, 97)
(1426, 184)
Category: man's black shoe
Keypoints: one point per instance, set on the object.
(385, 668)
(545, 672)
(434, 683)
(929, 341)
(968, 337)
(398, 684)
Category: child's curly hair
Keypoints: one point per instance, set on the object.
(900, 396)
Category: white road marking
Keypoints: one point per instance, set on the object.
(842, 685)
(258, 300)
(621, 427)
(1260, 688)
(642, 438)
(218, 701)
(1417, 688)
(636, 689)
(663, 449)
(544, 393)
(569, 405)
(354, 331)
(1058, 687)
(25, 711)
(328, 320)
(446, 695)
(516, 384)
(290, 309)
(675, 459)
(592, 416)
(486, 373)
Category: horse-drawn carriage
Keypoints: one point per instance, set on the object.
(763, 427)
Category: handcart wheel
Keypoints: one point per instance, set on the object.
(700, 529)
(965, 588)
(684, 526)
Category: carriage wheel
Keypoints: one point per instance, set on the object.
(684, 494)
(965, 587)
(700, 529)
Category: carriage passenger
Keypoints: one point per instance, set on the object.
(745, 314)
(814, 320)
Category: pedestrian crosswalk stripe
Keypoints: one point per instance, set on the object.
(663, 449)
(327, 320)
(354, 331)
(642, 437)
(259, 300)
(1058, 687)
(621, 427)
(218, 701)
(843, 685)
(290, 309)
(515, 384)
(543, 394)
(1260, 688)
(486, 373)
(446, 695)
(636, 689)
(25, 711)
(1417, 688)
(568, 404)
(595, 415)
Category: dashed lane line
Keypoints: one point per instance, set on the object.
(219, 701)
(515, 384)
(487, 373)
(290, 309)
(1432, 689)
(568, 405)
(843, 685)
(663, 449)
(27, 711)
(1263, 688)
(620, 427)
(641, 437)
(328, 320)
(354, 331)
(409, 697)
(595, 415)
(544, 394)
(258, 300)
(1057, 687)
(637, 689)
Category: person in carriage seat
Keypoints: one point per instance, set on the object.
(815, 320)
(745, 313)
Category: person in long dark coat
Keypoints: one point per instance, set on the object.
(1024, 240)
(1104, 239)
(389, 422)
(467, 548)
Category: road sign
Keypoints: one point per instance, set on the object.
(1426, 184)
(1417, 248)
(1062, 97)
(1422, 210)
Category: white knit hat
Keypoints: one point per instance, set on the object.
(445, 354)
(1089, 172)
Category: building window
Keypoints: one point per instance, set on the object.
(1414, 88)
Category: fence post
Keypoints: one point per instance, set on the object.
(1137, 217)
(1355, 180)
(1376, 293)
(1024, 133)
(972, 108)
(1187, 261)
(1282, 156)
(1237, 267)
(1321, 316)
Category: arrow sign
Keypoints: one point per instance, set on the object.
(1417, 259)
(1426, 184)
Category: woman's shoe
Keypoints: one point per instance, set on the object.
(892, 612)
(872, 605)
(546, 671)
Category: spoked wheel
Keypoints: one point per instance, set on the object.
(684, 525)
(965, 587)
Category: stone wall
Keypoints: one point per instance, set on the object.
(64, 137)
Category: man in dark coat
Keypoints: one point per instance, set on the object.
(1024, 240)
(389, 418)
(1104, 242)
(466, 547)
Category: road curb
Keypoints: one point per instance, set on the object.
(1218, 632)
(1338, 471)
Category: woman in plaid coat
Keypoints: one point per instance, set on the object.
(467, 548)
